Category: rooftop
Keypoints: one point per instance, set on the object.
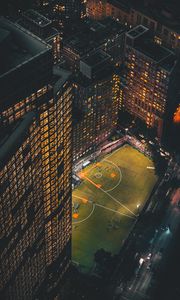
(45, 34)
(37, 18)
(137, 31)
(169, 63)
(19, 46)
(151, 49)
(159, 54)
(38, 24)
(96, 58)
(91, 34)
(103, 74)
(143, 42)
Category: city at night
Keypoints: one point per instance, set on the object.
(89, 150)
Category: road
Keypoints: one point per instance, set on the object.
(139, 287)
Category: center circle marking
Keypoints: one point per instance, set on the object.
(117, 173)
(98, 175)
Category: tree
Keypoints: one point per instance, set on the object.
(105, 263)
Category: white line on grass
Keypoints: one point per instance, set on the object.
(106, 192)
(115, 211)
(81, 221)
(116, 166)
(120, 175)
(117, 201)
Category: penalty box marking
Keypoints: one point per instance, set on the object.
(99, 186)
(106, 192)
(93, 208)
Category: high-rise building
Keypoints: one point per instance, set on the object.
(161, 17)
(35, 167)
(119, 10)
(43, 28)
(96, 103)
(150, 72)
(96, 9)
(106, 35)
(65, 12)
(92, 53)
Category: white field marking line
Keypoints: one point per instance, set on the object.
(107, 156)
(94, 164)
(81, 198)
(113, 188)
(117, 212)
(77, 222)
(119, 170)
(117, 201)
(109, 194)
(98, 175)
(120, 175)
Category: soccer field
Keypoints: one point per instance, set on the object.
(106, 203)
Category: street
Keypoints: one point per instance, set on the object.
(139, 287)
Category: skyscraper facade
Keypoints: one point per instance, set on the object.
(149, 72)
(161, 17)
(96, 9)
(35, 170)
(96, 103)
(93, 54)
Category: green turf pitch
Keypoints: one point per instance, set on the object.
(112, 192)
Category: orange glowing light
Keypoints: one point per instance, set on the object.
(81, 175)
(98, 186)
(75, 216)
(84, 200)
(113, 175)
(176, 118)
